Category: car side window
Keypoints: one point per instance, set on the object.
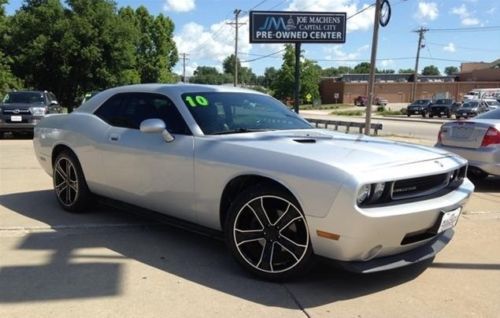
(128, 110)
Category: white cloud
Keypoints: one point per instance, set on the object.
(427, 11)
(465, 15)
(179, 5)
(338, 56)
(385, 64)
(215, 43)
(491, 10)
(362, 21)
(450, 48)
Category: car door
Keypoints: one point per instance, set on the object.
(142, 168)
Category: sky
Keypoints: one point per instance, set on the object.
(202, 32)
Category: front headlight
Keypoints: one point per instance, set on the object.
(371, 193)
(38, 111)
(363, 194)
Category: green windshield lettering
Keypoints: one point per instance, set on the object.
(196, 101)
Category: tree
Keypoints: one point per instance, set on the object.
(7, 80)
(345, 70)
(285, 78)
(245, 74)
(450, 70)
(209, 75)
(430, 70)
(405, 71)
(270, 76)
(309, 80)
(156, 53)
(362, 68)
(330, 72)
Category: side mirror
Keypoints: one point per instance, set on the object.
(156, 125)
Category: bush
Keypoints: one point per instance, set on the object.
(381, 108)
(403, 111)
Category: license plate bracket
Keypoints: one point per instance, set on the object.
(16, 118)
(447, 220)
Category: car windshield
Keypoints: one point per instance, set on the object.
(492, 114)
(421, 102)
(23, 97)
(469, 105)
(227, 112)
(443, 101)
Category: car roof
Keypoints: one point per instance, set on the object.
(166, 89)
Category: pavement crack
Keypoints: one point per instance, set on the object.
(294, 298)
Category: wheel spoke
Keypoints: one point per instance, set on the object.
(61, 172)
(60, 188)
(68, 195)
(290, 222)
(260, 214)
(266, 257)
(247, 236)
(295, 249)
(68, 170)
(73, 185)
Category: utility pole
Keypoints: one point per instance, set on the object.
(373, 59)
(237, 26)
(296, 90)
(184, 59)
(420, 32)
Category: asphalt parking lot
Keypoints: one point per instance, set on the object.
(113, 263)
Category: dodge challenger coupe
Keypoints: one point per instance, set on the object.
(240, 162)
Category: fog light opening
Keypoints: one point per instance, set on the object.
(371, 254)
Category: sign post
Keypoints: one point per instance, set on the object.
(297, 27)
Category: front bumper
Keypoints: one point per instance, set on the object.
(391, 230)
(27, 124)
(416, 111)
(417, 255)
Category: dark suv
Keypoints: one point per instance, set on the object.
(21, 111)
(419, 107)
(443, 107)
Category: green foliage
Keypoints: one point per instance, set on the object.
(7, 80)
(284, 84)
(245, 74)
(430, 70)
(405, 70)
(348, 113)
(209, 75)
(87, 45)
(450, 70)
(270, 76)
(309, 80)
(386, 71)
(361, 68)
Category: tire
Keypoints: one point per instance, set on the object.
(70, 186)
(476, 174)
(408, 115)
(267, 233)
(431, 116)
(423, 115)
(448, 116)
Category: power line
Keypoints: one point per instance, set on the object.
(263, 56)
(469, 29)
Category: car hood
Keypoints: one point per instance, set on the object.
(346, 152)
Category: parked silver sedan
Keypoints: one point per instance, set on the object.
(240, 162)
(477, 140)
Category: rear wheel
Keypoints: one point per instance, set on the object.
(267, 233)
(69, 182)
(431, 116)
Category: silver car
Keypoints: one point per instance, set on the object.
(477, 140)
(240, 162)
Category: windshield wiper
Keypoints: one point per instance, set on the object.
(238, 131)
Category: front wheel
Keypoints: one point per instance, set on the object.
(70, 186)
(267, 233)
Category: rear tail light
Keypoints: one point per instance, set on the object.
(492, 137)
(440, 135)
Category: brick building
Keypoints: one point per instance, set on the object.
(397, 88)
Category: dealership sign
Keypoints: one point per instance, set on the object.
(305, 27)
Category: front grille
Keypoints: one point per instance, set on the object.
(16, 111)
(408, 188)
(428, 185)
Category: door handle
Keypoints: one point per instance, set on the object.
(114, 137)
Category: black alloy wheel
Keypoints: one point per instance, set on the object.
(69, 182)
(267, 233)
